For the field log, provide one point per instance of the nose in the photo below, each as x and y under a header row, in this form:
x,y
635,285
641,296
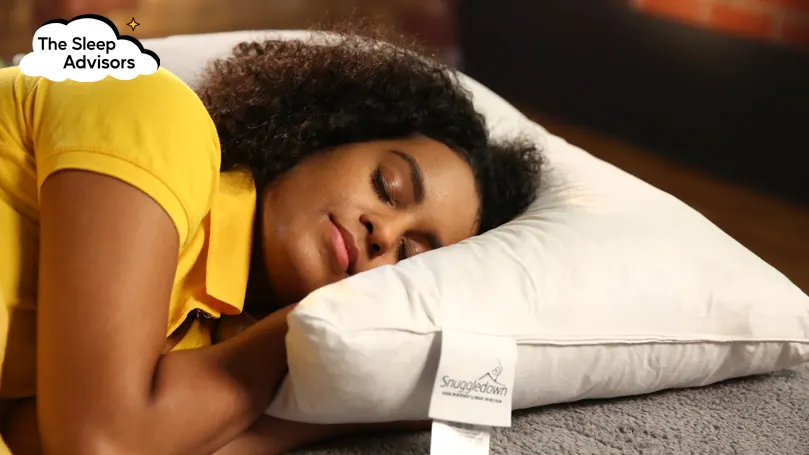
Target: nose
x,y
383,235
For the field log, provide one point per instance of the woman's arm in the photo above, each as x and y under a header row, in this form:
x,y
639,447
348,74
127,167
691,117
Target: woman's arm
x,y
108,255
271,436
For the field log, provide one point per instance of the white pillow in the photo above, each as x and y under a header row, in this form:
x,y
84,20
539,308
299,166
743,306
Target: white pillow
x,y
610,286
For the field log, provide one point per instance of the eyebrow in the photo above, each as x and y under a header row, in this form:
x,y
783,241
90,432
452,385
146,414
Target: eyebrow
x,y
415,176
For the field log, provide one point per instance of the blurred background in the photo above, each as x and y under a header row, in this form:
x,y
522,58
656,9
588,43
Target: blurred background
x,y
705,99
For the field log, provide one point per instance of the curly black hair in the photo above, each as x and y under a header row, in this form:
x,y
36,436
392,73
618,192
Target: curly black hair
x,y
276,102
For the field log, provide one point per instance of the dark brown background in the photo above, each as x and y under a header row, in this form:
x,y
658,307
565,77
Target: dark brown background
x,y
711,108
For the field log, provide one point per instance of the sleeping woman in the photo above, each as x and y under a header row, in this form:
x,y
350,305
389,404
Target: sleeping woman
x,y
136,215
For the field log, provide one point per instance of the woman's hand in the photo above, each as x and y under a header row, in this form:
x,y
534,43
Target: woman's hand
x,y
108,256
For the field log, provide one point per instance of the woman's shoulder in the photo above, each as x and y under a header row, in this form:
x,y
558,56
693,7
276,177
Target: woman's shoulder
x,y
142,94
161,85
152,131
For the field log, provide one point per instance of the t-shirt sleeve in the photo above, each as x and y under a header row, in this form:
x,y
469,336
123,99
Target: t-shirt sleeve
x,y
151,132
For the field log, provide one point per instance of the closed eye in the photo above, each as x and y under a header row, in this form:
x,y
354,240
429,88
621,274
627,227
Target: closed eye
x,y
403,251
424,241
381,187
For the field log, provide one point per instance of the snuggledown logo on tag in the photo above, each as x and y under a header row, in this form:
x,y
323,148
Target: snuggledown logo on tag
x,y
484,388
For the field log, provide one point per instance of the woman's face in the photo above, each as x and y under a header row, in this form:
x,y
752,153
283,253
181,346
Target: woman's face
x,y
361,206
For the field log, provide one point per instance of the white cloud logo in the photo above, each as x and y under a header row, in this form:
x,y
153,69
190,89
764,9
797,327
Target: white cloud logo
x,y
86,49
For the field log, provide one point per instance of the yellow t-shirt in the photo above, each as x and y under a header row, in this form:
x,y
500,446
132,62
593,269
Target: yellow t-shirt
x,y
152,132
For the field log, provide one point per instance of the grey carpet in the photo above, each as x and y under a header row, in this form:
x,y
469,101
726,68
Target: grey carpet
x,y
763,415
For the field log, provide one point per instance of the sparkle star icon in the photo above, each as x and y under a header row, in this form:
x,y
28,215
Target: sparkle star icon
x,y
133,23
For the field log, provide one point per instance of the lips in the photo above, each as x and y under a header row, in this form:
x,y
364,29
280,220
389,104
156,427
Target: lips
x,y
345,246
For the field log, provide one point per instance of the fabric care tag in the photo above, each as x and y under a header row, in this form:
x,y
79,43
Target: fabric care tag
x,y
459,439
475,379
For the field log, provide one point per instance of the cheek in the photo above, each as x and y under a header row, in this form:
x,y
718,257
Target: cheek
x,y
462,226
286,263
296,257
457,217
279,244
339,177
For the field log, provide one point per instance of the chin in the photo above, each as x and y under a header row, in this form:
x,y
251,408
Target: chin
x,y
297,280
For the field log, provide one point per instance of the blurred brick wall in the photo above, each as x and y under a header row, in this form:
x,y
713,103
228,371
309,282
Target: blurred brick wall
x,y
15,17
432,22
779,21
